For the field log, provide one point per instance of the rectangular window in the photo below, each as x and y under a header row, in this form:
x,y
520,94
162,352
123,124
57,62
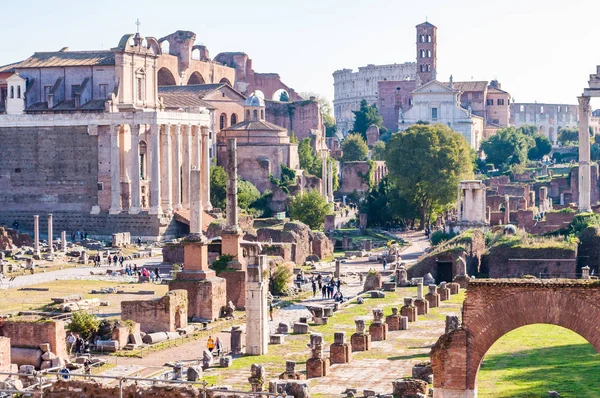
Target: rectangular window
x,y
103,91
522,108
501,101
434,113
489,102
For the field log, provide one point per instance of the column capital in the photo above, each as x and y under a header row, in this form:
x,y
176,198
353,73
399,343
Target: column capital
x,y
584,102
166,130
135,129
204,130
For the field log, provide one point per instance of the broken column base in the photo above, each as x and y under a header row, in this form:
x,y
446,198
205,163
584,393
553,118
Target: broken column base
x,y
378,331
340,353
317,367
453,287
444,293
410,313
433,300
422,306
360,342
393,322
206,293
462,280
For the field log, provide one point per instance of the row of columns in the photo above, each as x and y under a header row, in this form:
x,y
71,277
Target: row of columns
x,y
473,207
36,236
175,150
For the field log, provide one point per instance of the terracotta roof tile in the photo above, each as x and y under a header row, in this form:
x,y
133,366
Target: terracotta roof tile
x,y
64,58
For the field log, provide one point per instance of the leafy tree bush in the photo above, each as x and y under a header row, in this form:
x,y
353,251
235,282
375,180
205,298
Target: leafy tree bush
x,y
310,208
355,148
288,177
378,152
583,220
543,146
568,135
284,97
280,279
247,194
528,129
84,323
220,264
426,162
218,186
507,147
440,236
365,117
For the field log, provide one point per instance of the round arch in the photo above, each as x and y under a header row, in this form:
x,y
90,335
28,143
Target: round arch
x,y
259,94
196,78
277,95
225,81
165,77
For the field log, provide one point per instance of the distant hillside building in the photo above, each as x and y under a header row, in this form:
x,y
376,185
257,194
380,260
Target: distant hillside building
x,y
549,118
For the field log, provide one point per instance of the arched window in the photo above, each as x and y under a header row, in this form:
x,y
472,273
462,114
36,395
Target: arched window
x,y
428,53
247,115
12,91
428,38
255,114
262,115
222,121
233,119
18,91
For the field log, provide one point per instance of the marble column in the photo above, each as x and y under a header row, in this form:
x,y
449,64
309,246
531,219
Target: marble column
x,y
195,204
135,170
115,170
36,235
584,154
50,235
205,158
187,164
155,170
468,206
324,174
177,168
63,241
232,177
166,175
459,204
196,154
330,182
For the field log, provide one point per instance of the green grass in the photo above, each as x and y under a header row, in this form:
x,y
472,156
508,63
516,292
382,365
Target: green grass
x,y
532,360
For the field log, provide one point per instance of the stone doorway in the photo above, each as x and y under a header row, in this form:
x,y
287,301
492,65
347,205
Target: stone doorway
x,y
444,271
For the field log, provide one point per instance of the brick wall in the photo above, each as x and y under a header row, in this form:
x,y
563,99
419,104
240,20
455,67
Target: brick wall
x,y
32,334
545,260
351,177
300,117
165,314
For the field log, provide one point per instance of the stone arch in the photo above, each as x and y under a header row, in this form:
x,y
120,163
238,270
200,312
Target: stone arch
x,y
225,81
277,94
165,77
259,94
196,78
496,307
234,119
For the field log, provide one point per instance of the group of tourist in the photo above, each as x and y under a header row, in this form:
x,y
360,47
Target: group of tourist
x,y
112,260
330,289
214,346
76,344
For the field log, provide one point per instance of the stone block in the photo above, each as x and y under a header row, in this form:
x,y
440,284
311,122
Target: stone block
x,y
422,371
45,347
403,323
389,286
393,322
277,339
422,306
360,342
327,311
377,294
443,291
319,320
317,367
433,300
194,373
378,331
340,353
300,328
454,287
283,328
225,361
409,387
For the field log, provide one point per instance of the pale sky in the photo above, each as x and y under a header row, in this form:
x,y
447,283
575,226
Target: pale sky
x,y
539,50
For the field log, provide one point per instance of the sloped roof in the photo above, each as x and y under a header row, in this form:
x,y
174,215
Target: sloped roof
x,y
255,125
471,86
199,90
183,100
63,58
495,90
426,24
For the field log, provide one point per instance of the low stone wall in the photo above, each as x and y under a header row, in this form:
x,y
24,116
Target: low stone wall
x,y
165,314
5,354
505,261
83,389
31,334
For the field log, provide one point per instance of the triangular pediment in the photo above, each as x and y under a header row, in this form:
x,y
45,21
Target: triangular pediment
x,y
434,87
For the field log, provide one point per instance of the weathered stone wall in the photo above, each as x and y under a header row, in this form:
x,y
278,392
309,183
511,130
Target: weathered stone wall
x,y
32,334
296,239
48,169
4,354
553,221
82,389
302,117
504,261
165,314
354,177
589,250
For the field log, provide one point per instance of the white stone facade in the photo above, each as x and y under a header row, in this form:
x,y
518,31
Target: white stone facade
x,y
437,102
350,88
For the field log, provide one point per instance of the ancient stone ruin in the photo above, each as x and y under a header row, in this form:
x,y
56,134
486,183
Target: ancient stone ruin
x,y
166,314
361,339
340,351
378,329
409,310
316,365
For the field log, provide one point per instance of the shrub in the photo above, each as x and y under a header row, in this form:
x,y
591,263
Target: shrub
x,y
280,279
440,236
582,221
84,323
220,264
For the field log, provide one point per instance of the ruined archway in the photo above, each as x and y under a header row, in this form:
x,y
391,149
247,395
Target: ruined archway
x,y
196,78
494,307
165,77
225,81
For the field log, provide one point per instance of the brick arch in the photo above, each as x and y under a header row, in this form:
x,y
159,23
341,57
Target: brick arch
x,y
165,77
495,307
196,78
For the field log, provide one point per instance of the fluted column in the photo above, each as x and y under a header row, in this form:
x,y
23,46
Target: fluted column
x,y
36,235
167,182
205,158
584,154
135,170
50,235
115,170
177,167
330,182
155,170
187,164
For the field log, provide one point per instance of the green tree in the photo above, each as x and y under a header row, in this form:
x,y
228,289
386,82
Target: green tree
x,y
365,117
218,187
426,162
284,97
308,160
528,129
310,208
247,194
507,147
288,178
280,279
330,127
378,151
542,147
84,323
355,148
568,135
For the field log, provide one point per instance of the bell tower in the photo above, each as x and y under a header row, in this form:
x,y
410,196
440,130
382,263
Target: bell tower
x,y
426,52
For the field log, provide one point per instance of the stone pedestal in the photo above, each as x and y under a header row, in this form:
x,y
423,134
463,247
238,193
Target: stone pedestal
x,y
443,291
290,372
403,323
433,298
235,341
63,241
422,306
300,328
393,321
462,280
316,365
36,235
361,340
454,287
378,329
402,277
257,326
409,310
340,351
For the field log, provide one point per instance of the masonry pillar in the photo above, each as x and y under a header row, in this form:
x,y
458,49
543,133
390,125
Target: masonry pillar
x,y
324,175
187,165
459,204
196,205
257,326
36,235
468,207
135,172
177,168
155,170
166,175
63,241
205,158
584,154
50,235
507,210
330,182
115,170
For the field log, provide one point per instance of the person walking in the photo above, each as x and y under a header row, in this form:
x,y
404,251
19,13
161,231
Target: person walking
x,y
314,288
218,347
79,345
271,310
324,291
109,259
384,263
70,342
210,344
121,259
338,284
115,259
